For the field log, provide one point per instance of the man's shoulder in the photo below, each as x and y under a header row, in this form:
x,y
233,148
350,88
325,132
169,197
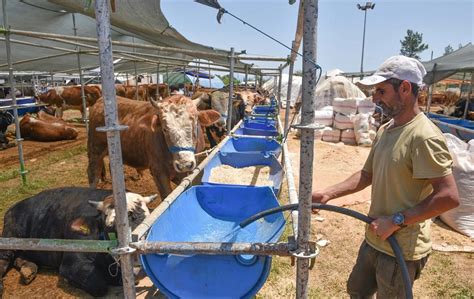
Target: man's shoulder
x,y
424,129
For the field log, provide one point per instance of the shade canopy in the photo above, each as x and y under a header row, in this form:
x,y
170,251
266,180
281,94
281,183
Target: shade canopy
x,y
139,22
461,60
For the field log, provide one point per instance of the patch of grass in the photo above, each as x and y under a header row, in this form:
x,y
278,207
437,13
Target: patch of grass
x,y
39,177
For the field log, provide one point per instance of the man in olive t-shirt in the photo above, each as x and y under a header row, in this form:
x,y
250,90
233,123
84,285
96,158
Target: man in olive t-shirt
x,y
409,168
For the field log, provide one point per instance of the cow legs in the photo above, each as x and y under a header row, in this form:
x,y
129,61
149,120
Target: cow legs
x,y
95,168
6,257
27,270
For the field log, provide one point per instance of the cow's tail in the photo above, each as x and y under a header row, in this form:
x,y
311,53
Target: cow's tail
x,y
6,256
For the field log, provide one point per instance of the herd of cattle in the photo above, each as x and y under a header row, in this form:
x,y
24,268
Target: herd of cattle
x,y
164,134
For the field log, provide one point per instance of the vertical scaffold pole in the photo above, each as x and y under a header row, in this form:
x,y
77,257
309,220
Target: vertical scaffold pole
x,y
85,117
246,75
157,81
288,93
307,144
19,140
113,128
231,91
280,78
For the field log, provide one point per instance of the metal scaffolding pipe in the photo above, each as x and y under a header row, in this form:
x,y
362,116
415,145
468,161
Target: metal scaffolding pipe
x,y
231,91
468,100
112,129
292,193
307,144
261,58
34,244
85,118
246,76
12,92
211,248
288,95
35,59
280,75
116,43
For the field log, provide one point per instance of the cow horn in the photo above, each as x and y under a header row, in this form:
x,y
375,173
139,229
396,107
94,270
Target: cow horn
x,y
96,204
154,103
150,198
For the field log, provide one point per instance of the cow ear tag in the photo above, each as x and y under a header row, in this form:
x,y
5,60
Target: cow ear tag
x,y
80,226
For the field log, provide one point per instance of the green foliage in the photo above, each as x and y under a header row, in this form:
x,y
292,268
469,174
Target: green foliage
x,y
448,50
413,44
226,80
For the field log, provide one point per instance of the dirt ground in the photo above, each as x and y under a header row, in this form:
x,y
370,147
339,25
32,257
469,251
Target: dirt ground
x,y
446,275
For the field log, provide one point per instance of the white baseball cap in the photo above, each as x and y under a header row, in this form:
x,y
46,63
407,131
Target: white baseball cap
x,y
398,67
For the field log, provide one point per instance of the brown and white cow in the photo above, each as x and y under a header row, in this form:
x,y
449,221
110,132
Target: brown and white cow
x,y
162,137
40,130
69,97
162,91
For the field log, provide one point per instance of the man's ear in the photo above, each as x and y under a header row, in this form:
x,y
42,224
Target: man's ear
x,y
405,87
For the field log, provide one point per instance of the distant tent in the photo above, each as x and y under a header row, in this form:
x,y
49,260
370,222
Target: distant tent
x,y
461,60
190,76
271,86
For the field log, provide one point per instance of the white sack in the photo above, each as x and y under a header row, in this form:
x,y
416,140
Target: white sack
x,y
462,218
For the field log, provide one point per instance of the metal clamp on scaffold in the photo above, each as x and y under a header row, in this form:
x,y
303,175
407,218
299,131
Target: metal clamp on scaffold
x,y
311,254
313,126
112,128
122,250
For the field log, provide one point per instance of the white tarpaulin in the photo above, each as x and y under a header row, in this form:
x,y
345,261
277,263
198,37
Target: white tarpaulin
x,y
272,87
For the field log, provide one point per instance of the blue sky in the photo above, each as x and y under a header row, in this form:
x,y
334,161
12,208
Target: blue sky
x,y
340,26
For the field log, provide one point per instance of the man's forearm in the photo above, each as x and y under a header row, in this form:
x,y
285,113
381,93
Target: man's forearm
x,y
356,182
444,197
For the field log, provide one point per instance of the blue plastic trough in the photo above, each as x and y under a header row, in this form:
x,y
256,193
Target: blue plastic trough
x,y
20,101
255,132
240,160
462,128
260,120
212,214
265,109
252,145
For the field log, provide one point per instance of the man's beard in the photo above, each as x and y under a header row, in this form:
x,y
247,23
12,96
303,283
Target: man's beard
x,y
392,111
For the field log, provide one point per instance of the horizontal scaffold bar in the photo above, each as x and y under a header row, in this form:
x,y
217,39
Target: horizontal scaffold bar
x,y
210,248
56,245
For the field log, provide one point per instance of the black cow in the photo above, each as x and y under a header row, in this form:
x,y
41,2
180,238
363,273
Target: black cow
x,y
68,213
6,119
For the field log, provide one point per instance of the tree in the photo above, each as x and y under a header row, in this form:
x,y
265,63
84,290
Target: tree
x,y
226,79
460,46
413,44
448,50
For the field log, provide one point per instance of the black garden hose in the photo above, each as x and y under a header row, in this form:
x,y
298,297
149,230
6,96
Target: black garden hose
x,y
393,242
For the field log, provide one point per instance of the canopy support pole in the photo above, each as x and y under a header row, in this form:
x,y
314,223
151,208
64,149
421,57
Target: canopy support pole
x,y
19,140
430,91
85,118
468,100
231,91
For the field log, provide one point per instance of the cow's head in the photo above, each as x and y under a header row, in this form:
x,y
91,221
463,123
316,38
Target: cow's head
x,y
179,121
136,207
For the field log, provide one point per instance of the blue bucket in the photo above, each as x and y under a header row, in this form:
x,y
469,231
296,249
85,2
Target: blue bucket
x,y
20,101
249,144
240,160
213,214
